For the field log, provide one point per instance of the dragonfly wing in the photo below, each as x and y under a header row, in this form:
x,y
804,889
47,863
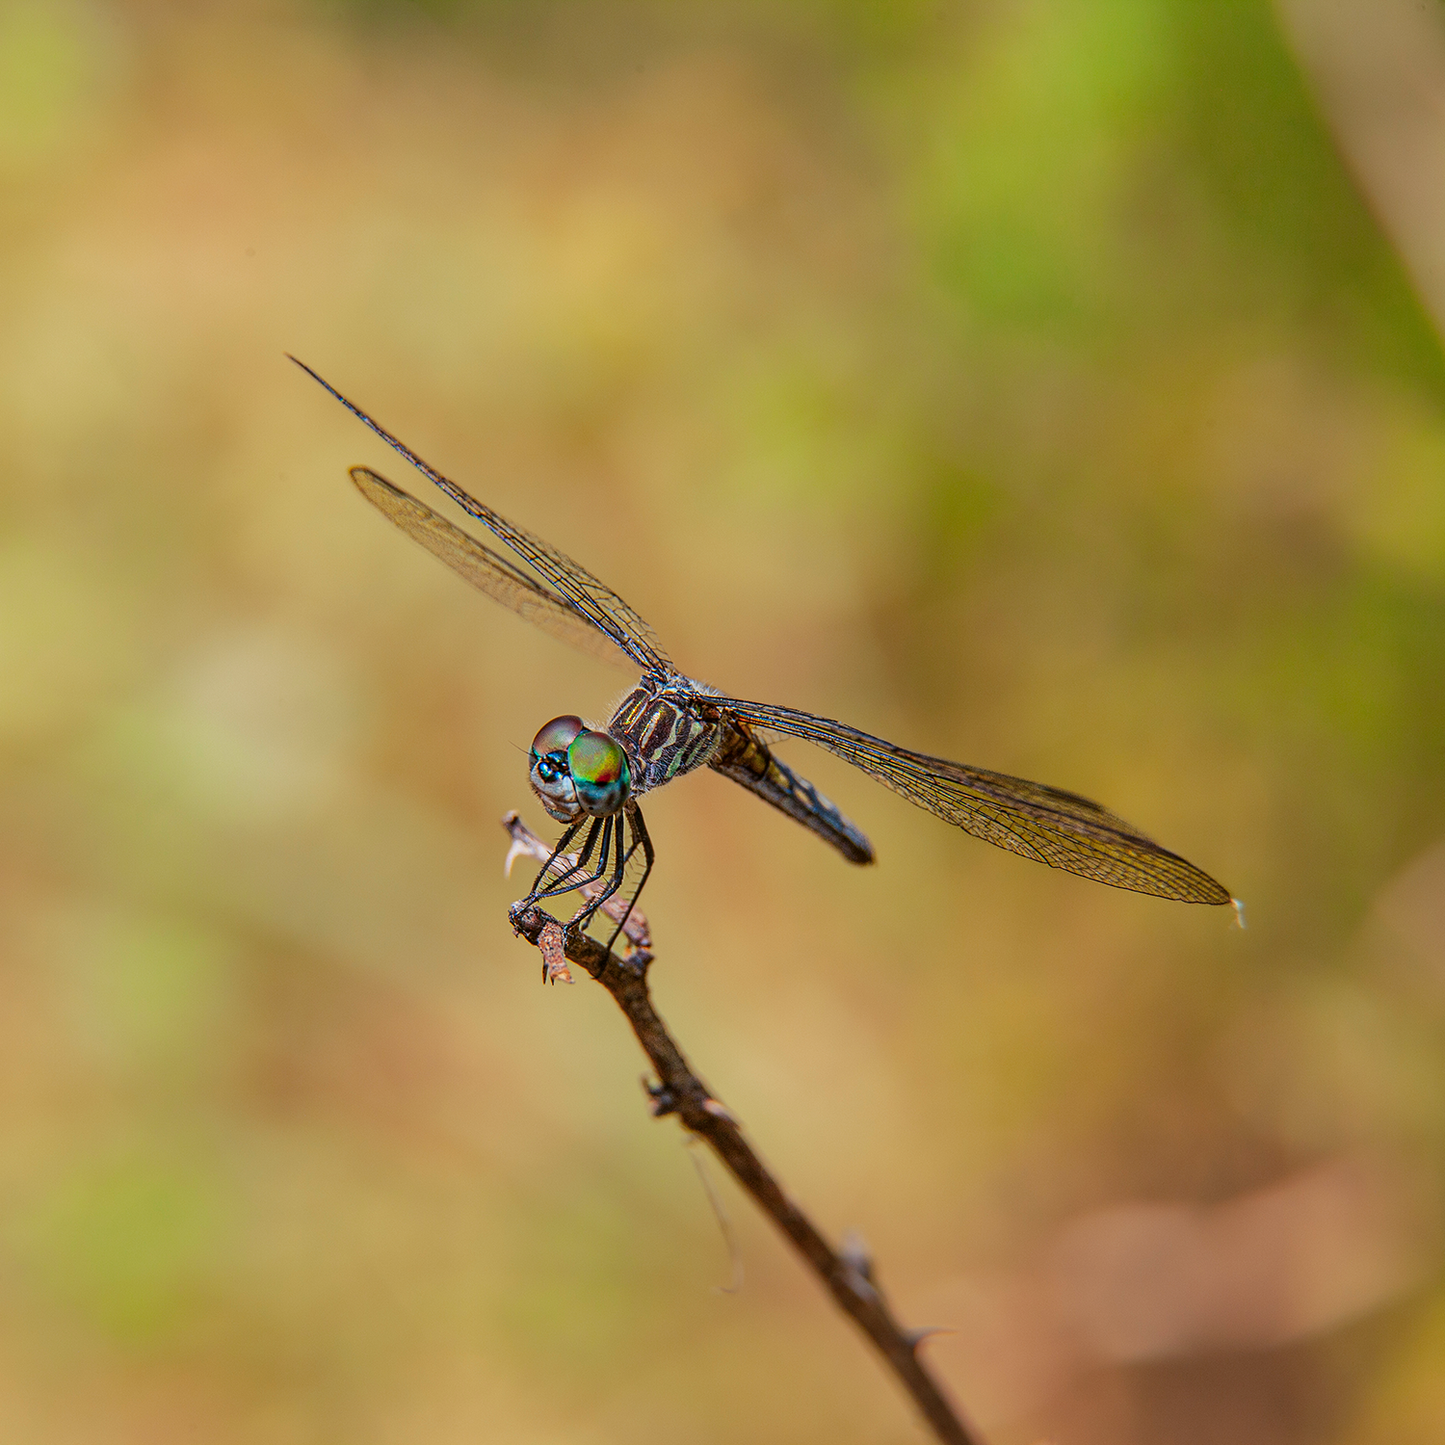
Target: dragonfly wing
x,y
1045,824
485,569
590,597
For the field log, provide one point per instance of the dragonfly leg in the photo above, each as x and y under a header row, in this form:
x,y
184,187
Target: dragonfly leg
x,y
639,836
569,880
584,915
562,842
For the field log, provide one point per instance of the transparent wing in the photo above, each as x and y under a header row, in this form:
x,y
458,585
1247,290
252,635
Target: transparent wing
x,y
1045,824
486,570
591,598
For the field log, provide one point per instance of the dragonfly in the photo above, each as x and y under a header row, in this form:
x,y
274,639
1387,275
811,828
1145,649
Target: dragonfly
x,y
590,779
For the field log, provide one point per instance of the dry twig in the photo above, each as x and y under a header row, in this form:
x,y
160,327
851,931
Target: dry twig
x,y
848,1275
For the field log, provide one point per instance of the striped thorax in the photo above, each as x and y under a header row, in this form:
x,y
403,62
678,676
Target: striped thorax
x,y
658,724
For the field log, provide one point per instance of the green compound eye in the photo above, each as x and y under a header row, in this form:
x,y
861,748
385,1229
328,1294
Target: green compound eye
x,y
599,771
556,736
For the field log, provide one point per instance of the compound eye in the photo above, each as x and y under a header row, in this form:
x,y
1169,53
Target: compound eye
x,y
556,736
599,771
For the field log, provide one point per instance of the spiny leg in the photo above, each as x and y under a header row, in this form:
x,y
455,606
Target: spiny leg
x,y
562,842
568,881
561,880
584,915
639,836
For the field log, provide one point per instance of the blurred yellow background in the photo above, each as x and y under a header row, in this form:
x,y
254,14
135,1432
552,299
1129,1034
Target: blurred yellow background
x,y
1041,383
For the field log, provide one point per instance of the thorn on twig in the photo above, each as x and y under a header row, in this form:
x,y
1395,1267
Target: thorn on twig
x,y
917,1337
854,1251
663,1102
857,1272
718,1111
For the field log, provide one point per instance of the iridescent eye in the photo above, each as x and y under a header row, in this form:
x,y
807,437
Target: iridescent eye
x,y
600,772
556,736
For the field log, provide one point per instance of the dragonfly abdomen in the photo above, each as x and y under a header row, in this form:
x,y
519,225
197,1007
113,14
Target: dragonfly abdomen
x,y
744,758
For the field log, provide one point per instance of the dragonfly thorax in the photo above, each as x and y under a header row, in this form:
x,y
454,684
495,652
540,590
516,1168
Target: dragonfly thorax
x,y
577,772
665,727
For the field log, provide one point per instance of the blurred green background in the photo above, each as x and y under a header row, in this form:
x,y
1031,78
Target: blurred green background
x,y
1029,381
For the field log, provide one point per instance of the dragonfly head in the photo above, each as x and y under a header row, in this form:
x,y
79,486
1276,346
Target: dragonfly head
x,y
577,772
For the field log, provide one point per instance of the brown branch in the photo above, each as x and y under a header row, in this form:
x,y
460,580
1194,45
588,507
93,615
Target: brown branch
x,y
847,1275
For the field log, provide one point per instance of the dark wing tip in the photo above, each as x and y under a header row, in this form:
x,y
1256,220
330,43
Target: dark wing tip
x,y
1199,887
1218,894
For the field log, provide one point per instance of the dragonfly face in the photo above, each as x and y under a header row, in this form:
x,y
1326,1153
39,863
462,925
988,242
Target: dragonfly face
x,y
578,773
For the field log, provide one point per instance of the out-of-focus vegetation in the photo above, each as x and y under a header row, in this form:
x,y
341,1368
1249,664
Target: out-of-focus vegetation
x,y
1024,380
